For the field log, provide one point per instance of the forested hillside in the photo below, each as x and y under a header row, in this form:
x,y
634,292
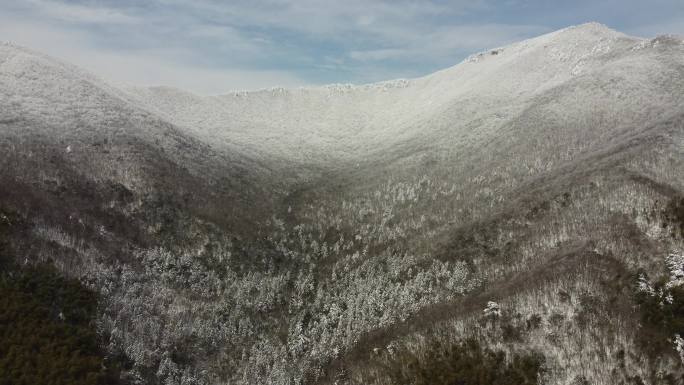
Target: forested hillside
x,y
515,219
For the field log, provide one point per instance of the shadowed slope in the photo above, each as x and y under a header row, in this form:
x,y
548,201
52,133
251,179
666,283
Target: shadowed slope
x,y
66,133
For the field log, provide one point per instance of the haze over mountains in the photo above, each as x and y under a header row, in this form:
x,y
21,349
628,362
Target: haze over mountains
x,y
355,234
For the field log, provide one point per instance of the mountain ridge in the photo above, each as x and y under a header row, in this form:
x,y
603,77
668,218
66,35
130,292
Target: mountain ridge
x,y
402,107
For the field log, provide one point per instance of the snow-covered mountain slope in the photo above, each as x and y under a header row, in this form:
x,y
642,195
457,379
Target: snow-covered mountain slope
x,y
63,126
360,234
488,90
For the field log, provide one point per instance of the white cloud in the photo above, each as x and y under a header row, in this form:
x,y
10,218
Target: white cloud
x,y
142,70
171,67
449,41
379,54
212,46
403,31
672,26
91,14
362,20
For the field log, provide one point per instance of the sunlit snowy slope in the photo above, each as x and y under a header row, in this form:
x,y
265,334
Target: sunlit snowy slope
x,y
473,101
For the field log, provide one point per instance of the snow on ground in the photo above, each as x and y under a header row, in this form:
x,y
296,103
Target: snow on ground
x,y
343,122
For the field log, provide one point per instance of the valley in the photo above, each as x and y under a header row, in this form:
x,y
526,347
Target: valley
x,y
507,207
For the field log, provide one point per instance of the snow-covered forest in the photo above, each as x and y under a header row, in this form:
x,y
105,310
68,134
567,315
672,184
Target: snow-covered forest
x,y
520,214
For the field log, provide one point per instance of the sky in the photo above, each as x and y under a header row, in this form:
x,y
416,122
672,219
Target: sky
x,y
214,46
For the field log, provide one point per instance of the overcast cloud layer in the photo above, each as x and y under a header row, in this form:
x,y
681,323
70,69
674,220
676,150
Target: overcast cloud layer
x,y
212,46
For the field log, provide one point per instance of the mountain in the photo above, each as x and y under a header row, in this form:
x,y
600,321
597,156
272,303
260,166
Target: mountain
x,y
518,217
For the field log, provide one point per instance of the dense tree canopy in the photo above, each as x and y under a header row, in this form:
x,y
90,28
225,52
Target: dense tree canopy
x,y
47,335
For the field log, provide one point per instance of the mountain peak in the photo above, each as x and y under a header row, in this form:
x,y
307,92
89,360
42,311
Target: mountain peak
x,y
587,32
593,26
